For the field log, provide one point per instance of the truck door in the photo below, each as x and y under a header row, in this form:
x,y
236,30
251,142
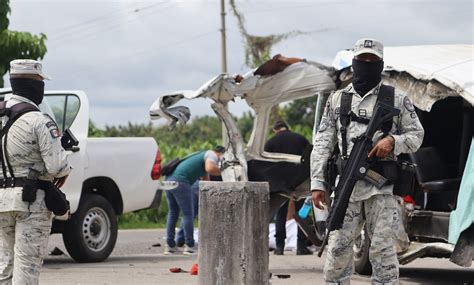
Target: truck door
x,y
71,110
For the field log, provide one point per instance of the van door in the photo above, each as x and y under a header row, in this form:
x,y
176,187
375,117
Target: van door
x,y
71,111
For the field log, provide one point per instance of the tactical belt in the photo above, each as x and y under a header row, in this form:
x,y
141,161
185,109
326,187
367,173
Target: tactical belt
x,y
12,182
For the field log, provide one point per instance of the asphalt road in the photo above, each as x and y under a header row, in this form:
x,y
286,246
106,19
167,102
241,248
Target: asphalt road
x,y
136,261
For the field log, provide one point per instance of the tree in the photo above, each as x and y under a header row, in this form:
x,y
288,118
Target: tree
x,y
258,48
15,44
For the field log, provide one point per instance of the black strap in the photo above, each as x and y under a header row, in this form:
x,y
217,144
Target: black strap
x,y
4,168
386,95
345,119
13,113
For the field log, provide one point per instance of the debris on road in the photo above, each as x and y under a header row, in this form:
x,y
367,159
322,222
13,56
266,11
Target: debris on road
x,y
177,270
194,269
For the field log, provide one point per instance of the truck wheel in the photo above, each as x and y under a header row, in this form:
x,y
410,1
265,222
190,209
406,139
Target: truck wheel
x,y
361,254
91,233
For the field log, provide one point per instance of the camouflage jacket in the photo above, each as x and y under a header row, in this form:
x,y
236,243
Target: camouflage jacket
x,y
406,130
33,143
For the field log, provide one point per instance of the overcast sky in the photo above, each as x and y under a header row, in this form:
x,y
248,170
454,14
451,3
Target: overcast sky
x,y
124,54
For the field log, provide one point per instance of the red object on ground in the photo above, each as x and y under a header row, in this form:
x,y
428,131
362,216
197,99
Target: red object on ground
x,y
409,199
194,269
176,270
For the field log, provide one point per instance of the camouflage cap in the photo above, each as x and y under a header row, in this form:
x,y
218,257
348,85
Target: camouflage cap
x,y
27,66
368,46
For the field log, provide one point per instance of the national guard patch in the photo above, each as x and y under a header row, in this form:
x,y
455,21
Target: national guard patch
x,y
408,105
368,43
413,115
323,125
55,133
53,129
336,111
51,124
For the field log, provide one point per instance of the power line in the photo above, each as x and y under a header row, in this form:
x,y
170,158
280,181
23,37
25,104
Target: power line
x,y
99,21
104,29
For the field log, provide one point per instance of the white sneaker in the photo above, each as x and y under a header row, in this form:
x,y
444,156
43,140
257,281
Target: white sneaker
x,y
188,250
170,250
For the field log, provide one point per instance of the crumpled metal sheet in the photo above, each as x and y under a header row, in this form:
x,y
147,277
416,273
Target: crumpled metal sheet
x,y
298,80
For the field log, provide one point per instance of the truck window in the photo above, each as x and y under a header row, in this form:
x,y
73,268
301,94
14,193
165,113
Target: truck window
x,y
64,109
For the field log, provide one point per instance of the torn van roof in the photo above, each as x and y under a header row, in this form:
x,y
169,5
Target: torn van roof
x,y
440,71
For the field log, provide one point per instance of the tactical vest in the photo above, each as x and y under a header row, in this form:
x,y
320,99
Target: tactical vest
x,y
13,113
386,95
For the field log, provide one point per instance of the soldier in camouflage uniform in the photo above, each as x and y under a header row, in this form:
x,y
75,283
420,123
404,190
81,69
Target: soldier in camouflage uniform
x,y
376,207
33,143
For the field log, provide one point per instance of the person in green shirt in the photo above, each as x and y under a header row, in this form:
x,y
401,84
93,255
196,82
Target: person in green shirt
x,y
188,171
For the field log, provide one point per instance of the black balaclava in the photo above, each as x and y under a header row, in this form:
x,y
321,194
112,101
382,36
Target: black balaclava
x,y
366,75
29,88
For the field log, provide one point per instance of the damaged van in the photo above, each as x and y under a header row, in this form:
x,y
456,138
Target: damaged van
x,y
437,199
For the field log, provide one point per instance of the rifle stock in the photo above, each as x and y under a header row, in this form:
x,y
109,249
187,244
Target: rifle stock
x,y
356,168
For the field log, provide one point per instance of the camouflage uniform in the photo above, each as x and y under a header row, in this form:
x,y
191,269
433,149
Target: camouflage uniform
x,y
377,206
33,142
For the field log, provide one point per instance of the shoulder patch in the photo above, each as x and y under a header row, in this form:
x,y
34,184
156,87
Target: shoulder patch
x,y
53,127
408,105
323,125
51,124
54,133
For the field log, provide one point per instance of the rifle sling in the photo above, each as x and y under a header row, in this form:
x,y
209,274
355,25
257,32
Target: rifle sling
x,y
386,95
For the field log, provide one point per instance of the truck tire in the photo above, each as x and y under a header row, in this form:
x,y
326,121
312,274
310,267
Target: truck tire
x,y
361,254
91,233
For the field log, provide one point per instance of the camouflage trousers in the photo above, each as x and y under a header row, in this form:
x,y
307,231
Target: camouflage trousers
x,y
23,244
380,212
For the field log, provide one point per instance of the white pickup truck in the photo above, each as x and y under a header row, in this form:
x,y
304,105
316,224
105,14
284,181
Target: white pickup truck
x,y
111,176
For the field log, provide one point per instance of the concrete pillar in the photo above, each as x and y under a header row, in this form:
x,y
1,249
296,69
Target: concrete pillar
x,y
233,233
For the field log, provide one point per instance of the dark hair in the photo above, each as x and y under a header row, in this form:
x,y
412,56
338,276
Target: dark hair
x,y
219,149
280,124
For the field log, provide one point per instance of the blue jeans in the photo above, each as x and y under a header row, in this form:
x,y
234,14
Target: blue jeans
x,y
195,191
180,199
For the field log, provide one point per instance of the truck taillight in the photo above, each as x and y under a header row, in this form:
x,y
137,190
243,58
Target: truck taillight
x,y
156,170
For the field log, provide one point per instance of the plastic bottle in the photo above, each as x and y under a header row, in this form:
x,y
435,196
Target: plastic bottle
x,y
304,211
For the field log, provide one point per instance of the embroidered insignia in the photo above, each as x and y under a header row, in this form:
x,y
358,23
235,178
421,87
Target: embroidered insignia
x,y
54,133
323,125
51,124
408,105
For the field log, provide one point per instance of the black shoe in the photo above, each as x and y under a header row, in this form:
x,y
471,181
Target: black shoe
x,y
303,251
279,251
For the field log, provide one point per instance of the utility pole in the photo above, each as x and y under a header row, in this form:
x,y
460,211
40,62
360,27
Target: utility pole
x,y
223,39
225,139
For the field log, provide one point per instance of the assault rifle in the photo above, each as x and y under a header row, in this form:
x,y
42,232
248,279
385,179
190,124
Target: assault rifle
x,y
357,168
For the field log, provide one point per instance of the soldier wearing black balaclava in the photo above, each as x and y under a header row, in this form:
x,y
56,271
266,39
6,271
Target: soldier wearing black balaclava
x,y
376,207
30,150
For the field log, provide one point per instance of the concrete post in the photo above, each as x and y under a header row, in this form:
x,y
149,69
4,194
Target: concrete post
x,y
233,233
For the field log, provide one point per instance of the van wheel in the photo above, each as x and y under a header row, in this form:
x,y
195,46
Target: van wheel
x,y
91,233
361,254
